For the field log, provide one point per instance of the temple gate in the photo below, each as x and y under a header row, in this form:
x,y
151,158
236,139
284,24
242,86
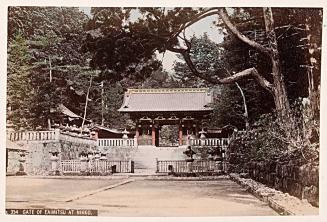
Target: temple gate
x,y
150,109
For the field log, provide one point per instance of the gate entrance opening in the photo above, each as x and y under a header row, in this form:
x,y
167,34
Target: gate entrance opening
x,y
168,135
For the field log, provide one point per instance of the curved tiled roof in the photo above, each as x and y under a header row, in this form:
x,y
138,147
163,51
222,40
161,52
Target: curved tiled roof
x,y
179,99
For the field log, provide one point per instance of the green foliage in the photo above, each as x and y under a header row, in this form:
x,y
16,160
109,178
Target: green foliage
x,y
272,138
169,135
53,36
19,88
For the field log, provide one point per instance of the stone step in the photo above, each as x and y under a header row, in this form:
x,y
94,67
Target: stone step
x,y
145,157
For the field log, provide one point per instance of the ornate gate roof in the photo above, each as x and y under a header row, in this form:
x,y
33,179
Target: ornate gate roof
x,y
166,100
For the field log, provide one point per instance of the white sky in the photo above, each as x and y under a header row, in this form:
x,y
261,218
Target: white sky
x,y
197,29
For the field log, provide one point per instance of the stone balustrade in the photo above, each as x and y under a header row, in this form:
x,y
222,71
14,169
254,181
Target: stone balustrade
x,y
117,142
50,135
222,142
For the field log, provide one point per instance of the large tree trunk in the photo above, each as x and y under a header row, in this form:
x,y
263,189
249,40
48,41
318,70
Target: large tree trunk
x,y
246,113
279,89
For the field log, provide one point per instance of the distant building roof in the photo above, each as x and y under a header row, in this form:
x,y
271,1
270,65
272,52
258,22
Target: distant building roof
x,y
179,99
64,110
71,115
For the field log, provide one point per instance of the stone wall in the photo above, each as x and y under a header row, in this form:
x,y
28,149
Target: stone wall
x,y
299,181
38,157
13,161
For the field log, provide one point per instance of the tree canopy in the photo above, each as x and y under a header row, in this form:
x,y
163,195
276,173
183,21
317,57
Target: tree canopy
x,y
64,47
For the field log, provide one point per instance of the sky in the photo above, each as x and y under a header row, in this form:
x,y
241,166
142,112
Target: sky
x,y
198,29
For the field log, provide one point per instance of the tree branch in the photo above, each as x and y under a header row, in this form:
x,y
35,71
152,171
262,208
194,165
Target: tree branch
x,y
227,80
206,13
223,14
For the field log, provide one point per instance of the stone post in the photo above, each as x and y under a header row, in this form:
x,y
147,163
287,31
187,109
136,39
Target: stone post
x,y
132,166
103,160
136,142
97,162
157,165
84,165
90,158
189,166
57,134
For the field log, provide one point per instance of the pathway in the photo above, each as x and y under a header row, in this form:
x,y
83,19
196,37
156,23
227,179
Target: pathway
x,y
137,197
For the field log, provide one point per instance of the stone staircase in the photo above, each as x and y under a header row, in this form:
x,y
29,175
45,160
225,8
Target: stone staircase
x,y
145,157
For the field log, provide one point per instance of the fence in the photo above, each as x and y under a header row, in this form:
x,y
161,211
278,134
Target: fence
x,y
222,142
96,166
117,143
181,166
52,135
70,166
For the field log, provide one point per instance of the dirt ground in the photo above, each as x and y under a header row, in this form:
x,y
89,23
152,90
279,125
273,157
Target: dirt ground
x,y
138,198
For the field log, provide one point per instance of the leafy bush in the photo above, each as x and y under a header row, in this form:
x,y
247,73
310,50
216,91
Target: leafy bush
x,y
294,138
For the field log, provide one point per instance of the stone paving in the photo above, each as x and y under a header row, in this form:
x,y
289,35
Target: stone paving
x,y
138,197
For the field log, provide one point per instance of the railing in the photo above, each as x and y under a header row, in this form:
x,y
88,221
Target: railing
x,y
222,142
96,166
70,166
181,166
204,166
116,143
177,166
124,166
33,135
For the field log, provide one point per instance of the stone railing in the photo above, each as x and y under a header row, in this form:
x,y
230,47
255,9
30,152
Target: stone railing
x,y
116,143
221,142
52,135
56,136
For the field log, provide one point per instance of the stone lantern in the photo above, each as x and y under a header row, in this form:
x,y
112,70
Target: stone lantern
x,y
103,156
125,132
202,137
97,155
215,154
54,159
202,134
125,137
22,163
90,155
189,153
